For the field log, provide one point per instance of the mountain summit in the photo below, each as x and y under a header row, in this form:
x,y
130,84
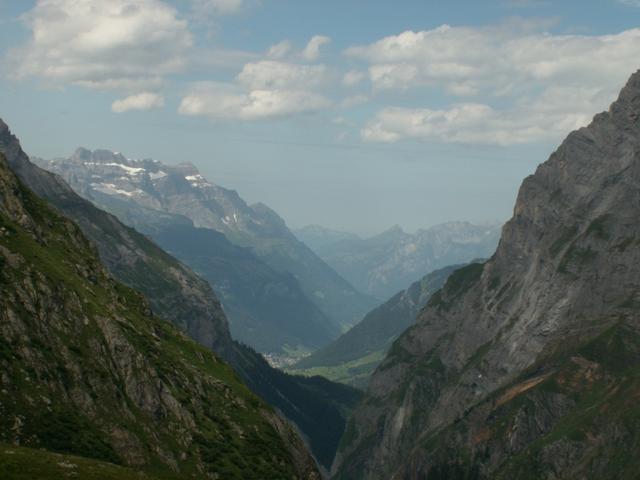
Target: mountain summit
x,y
527,366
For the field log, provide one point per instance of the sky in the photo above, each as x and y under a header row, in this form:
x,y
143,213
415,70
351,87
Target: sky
x,y
355,115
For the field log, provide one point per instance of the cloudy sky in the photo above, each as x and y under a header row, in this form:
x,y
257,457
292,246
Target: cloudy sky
x,y
352,114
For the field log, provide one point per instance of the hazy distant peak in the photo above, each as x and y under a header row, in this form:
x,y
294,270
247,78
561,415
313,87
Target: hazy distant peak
x,y
186,169
395,231
265,211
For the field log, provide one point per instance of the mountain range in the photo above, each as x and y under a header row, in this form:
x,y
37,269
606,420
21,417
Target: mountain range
x,y
353,357
386,263
279,296
89,370
526,366
316,406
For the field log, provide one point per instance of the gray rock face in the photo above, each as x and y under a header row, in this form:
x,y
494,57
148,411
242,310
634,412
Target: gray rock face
x,y
386,263
499,374
151,196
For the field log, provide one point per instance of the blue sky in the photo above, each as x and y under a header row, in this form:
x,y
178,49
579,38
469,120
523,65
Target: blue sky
x,y
355,115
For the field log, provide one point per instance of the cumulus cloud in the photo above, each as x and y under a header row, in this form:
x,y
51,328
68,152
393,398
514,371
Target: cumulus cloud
x,y
280,49
492,59
312,50
227,102
140,101
217,7
269,74
108,44
275,87
262,90
353,77
557,111
516,72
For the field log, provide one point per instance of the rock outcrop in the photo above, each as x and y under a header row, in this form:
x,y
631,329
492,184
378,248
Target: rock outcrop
x,y
527,366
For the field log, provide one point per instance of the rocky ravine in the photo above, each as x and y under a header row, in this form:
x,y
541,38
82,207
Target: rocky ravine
x,y
527,366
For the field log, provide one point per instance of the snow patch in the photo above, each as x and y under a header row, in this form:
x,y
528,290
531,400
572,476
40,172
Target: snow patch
x,y
111,189
126,168
197,181
157,175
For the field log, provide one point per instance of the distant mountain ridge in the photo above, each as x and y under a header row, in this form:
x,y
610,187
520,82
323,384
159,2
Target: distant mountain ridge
x,y
296,288
386,263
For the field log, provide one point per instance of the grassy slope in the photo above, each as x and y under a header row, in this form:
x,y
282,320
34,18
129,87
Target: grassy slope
x,y
20,463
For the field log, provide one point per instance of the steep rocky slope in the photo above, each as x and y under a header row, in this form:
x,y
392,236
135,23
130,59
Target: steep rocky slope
x,y
386,263
353,357
152,196
88,369
527,366
178,295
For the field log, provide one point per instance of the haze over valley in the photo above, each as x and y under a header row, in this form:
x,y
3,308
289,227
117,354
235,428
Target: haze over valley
x,y
264,240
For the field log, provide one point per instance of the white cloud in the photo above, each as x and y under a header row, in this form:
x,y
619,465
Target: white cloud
x,y
106,44
219,58
140,101
352,78
492,59
312,50
353,100
264,89
517,72
270,74
227,102
280,49
217,7
547,116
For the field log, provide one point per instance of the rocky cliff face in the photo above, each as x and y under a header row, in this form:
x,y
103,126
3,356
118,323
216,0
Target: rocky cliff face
x,y
152,196
178,295
88,369
386,263
527,366
353,357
